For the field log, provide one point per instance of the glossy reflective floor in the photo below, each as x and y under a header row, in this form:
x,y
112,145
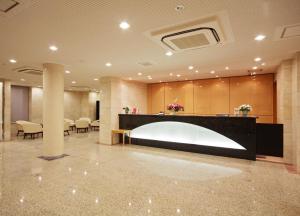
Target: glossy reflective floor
x,y
134,180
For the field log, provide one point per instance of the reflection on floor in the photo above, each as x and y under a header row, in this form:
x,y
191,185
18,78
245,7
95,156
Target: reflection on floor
x,y
135,180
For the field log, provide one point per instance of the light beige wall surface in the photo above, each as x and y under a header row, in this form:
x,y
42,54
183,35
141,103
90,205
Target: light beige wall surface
x,y
114,95
76,104
288,107
1,111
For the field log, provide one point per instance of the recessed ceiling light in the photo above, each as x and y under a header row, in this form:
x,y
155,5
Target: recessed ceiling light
x,y
263,64
227,68
67,72
53,48
140,74
124,25
212,72
22,80
196,71
254,68
96,79
191,67
160,81
257,59
169,53
73,82
130,78
13,61
171,74
150,78
108,64
260,37
178,75
217,76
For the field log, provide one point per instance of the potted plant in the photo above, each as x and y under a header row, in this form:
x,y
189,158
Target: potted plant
x,y
126,109
175,107
245,109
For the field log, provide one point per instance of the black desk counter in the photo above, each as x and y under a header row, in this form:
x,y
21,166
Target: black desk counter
x,y
223,136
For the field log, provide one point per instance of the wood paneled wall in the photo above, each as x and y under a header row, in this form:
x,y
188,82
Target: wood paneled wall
x,y
216,96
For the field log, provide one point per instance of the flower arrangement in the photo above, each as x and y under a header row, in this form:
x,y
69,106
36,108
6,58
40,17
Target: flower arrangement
x,y
175,107
245,108
126,109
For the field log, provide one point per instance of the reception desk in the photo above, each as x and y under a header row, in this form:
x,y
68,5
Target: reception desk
x,y
223,136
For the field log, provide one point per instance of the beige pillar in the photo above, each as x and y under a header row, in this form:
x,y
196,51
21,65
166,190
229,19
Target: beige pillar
x,y
53,110
111,105
7,110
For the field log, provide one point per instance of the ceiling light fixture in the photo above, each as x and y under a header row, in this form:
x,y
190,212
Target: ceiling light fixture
x,y
257,59
171,74
263,64
191,67
13,61
260,37
96,79
212,72
254,67
124,25
178,75
140,74
74,82
108,64
53,48
217,76
130,78
226,68
67,72
169,53
196,71
23,80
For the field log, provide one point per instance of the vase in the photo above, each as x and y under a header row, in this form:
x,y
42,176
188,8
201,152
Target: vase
x,y
245,113
173,112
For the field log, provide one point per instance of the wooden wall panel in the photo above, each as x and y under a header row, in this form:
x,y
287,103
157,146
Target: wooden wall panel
x,y
216,96
182,93
211,96
202,99
219,96
256,91
157,97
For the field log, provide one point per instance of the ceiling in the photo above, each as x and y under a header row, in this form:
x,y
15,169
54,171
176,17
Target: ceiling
x,y
88,36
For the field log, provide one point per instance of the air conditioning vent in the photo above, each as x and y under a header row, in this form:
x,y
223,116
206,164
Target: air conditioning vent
x,y
200,33
286,32
146,64
29,70
7,5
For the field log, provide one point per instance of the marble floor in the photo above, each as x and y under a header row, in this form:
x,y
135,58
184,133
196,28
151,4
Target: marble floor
x,y
134,180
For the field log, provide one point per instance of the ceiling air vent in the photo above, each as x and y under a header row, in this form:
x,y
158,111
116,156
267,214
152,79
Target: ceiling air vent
x,y
200,33
29,70
286,32
7,5
145,64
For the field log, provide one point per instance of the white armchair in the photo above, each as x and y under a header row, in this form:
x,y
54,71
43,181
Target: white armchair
x,y
71,123
32,129
95,125
19,125
82,125
86,118
66,127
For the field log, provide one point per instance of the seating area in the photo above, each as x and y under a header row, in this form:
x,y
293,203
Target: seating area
x,y
35,130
